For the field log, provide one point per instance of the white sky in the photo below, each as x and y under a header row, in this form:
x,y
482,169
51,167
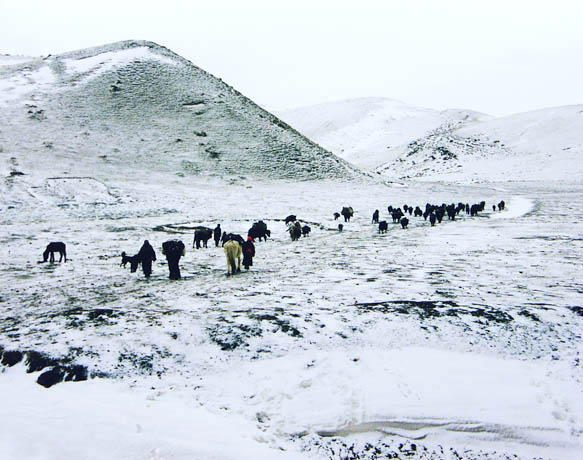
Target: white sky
x,y
498,57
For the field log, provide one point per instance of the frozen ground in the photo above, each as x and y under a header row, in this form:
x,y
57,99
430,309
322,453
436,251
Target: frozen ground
x,y
459,341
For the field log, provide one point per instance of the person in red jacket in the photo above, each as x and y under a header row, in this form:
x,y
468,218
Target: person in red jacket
x,y
248,252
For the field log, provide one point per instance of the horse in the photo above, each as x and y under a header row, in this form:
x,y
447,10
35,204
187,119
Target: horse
x,y
55,246
233,253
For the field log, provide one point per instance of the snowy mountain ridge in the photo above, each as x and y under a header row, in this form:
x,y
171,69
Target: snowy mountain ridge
x,y
139,105
400,141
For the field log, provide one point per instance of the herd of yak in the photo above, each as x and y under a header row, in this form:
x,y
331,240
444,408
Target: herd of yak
x,y
259,230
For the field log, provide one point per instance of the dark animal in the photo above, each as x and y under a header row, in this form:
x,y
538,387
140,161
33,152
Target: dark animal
x,y
202,234
55,246
173,250
295,231
259,230
474,209
493,207
347,212
375,217
134,261
501,205
404,222
232,236
396,215
147,255
336,215
451,211
306,230
290,218
432,219
383,226
418,212
233,253
340,227
467,208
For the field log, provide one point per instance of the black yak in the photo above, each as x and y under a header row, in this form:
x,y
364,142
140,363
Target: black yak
x,y
202,234
383,226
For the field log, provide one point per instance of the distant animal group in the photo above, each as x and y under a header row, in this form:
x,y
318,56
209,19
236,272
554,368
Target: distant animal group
x,y
235,247
435,213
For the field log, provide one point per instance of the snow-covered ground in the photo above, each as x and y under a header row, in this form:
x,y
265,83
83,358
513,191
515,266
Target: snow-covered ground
x,y
465,336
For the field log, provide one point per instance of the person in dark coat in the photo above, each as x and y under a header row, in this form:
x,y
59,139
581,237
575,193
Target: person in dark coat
x,y
217,233
173,250
248,252
146,256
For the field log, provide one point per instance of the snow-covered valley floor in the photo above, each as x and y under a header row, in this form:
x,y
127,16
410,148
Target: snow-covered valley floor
x,y
459,341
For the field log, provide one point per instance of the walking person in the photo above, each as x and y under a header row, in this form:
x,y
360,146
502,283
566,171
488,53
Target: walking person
x,y
147,255
248,252
217,234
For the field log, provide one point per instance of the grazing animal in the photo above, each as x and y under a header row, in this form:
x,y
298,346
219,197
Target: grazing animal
x,y
418,212
375,216
233,253
501,205
259,230
383,226
55,246
306,230
134,261
432,219
290,218
336,215
202,234
173,250
404,222
474,209
340,227
347,212
295,231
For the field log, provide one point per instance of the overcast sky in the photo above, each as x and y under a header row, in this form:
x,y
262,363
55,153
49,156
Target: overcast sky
x,y
498,57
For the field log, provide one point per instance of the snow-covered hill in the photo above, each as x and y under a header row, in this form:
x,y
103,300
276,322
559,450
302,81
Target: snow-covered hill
x,y
542,145
137,105
400,141
369,131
